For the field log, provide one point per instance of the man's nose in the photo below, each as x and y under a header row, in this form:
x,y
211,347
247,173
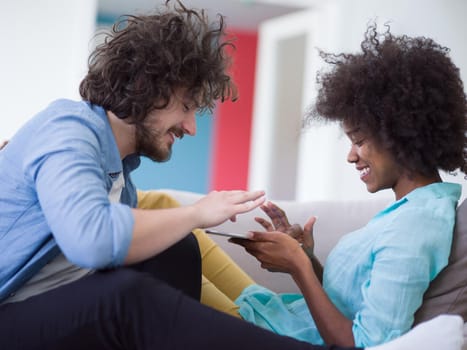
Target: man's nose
x,y
189,124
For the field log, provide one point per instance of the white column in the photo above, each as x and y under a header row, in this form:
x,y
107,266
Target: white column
x,y
45,45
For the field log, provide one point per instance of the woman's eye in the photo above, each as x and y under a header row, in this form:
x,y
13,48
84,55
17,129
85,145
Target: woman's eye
x,y
359,142
186,108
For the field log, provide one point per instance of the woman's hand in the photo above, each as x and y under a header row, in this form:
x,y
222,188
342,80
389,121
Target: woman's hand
x,y
218,206
276,251
279,220
281,223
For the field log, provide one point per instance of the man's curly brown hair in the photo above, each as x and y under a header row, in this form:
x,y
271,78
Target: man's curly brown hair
x,y
144,59
405,93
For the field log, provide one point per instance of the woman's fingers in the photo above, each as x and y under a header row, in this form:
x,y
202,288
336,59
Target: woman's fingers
x,y
266,224
308,240
277,216
308,228
295,231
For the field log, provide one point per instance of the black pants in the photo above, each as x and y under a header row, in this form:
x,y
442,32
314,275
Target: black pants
x,y
151,305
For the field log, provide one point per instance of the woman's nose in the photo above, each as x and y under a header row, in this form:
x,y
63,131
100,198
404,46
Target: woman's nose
x,y
352,156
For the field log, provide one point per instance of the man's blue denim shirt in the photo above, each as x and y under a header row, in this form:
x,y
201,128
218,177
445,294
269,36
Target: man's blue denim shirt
x,y
55,176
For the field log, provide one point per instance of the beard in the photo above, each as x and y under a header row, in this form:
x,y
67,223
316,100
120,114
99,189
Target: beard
x,y
149,143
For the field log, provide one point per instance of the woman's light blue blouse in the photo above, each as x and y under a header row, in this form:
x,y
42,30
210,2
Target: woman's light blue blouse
x,y
394,258
377,275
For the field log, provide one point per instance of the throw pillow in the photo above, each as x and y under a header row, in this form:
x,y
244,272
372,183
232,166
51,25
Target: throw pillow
x,y
447,293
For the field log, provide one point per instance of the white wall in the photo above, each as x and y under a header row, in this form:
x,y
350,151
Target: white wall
x,y
336,26
278,104
44,55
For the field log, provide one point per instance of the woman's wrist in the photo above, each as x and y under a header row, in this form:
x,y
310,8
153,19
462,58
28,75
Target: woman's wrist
x,y
308,251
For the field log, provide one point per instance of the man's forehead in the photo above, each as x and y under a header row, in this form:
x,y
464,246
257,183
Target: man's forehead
x,y
181,93
185,96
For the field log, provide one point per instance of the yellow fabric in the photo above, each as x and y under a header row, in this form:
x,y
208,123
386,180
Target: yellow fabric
x,y
223,280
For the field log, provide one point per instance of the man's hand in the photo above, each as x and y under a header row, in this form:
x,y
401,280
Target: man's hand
x,y
219,206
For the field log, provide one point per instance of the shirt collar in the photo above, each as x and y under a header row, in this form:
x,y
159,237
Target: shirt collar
x,y
434,190
112,161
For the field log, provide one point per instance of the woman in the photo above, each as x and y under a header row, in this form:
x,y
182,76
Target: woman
x,y
402,105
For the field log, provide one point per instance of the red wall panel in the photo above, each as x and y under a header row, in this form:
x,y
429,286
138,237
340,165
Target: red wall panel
x,y
232,123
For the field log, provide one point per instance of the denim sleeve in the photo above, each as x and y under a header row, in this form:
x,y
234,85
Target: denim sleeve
x,y
412,250
65,165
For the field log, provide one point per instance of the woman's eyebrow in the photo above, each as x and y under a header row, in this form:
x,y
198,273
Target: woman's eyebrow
x,y
352,132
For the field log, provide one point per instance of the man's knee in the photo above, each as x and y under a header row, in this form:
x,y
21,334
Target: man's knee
x,y
190,248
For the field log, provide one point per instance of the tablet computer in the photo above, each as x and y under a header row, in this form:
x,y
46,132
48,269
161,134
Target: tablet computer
x,y
228,234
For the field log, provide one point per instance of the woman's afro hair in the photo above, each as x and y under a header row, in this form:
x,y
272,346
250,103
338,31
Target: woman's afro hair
x,y
405,93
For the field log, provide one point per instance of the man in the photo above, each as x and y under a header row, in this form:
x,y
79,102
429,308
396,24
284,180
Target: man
x,y
67,200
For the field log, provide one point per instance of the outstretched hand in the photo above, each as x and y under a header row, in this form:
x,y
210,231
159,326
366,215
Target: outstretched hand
x,y
219,206
279,222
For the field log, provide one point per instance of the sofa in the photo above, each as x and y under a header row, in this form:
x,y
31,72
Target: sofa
x,y
446,294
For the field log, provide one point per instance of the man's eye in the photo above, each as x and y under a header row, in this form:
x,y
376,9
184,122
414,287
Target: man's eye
x,y
186,108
